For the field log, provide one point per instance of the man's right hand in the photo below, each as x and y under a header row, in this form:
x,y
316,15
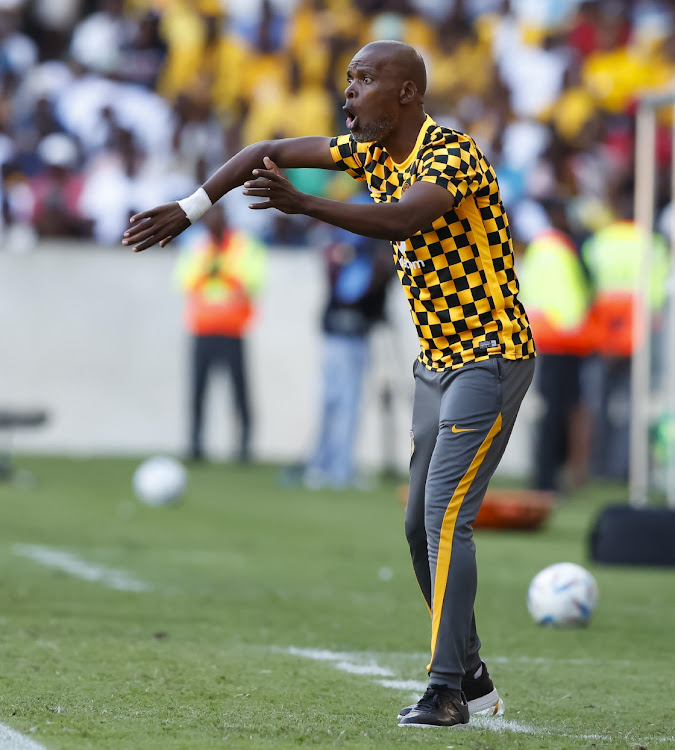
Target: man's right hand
x,y
158,225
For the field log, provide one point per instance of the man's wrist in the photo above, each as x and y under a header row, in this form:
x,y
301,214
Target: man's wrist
x,y
311,206
196,205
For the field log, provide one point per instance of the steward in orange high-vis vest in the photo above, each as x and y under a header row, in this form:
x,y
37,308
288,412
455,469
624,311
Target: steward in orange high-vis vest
x,y
220,277
613,256
556,292
220,270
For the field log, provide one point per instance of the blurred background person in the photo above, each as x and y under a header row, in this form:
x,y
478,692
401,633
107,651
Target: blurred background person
x,y
358,271
57,190
557,293
614,257
220,271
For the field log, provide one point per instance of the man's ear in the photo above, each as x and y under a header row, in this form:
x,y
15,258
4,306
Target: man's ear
x,y
408,92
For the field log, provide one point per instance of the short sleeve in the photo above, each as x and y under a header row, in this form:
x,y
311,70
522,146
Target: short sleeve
x,y
454,166
345,152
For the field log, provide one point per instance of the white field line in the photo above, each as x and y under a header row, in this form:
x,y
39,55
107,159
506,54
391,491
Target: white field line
x,y
318,654
363,664
417,687
13,740
371,670
75,566
343,662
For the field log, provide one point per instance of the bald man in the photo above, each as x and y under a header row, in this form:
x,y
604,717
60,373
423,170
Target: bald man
x,y
437,200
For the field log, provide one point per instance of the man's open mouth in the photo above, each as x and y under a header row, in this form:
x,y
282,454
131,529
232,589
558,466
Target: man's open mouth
x,y
351,120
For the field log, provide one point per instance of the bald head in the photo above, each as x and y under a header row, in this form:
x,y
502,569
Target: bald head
x,y
385,91
404,60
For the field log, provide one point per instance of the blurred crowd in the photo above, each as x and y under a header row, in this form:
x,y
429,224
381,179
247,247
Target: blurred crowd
x,y
110,106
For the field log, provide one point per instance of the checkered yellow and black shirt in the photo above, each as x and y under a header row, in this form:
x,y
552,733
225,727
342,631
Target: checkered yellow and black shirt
x,y
458,273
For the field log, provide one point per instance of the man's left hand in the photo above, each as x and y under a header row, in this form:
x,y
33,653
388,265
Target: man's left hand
x,y
272,183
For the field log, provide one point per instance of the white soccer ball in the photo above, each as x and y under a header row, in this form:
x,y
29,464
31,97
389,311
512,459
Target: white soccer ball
x,y
564,594
159,480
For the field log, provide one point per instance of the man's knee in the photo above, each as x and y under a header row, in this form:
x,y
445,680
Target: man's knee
x,y
415,530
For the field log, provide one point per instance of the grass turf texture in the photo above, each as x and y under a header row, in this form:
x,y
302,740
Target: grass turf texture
x,y
241,570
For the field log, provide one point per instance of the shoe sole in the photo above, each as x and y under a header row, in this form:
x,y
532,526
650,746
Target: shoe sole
x,y
433,726
487,705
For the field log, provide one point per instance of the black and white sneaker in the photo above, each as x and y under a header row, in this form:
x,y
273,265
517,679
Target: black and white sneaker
x,y
481,695
438,707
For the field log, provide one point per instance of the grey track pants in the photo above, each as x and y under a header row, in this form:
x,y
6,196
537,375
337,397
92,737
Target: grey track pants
x,y
462,420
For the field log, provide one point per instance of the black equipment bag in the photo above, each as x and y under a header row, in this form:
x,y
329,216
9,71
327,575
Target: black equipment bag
x,y
624,535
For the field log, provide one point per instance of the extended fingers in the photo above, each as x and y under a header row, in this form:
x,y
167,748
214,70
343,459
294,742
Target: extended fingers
x,y
144,245
271,165
260,182
137,227
266,180
257,192
261,204
138,234
268,174
259,188
141,216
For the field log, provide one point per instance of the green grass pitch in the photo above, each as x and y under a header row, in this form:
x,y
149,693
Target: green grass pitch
x,y
285,618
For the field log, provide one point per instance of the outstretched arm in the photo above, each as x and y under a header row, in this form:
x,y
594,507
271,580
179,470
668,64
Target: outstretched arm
x,y
419,207
162,223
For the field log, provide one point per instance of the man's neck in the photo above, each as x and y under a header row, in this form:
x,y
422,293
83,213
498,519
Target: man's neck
x,y
401,143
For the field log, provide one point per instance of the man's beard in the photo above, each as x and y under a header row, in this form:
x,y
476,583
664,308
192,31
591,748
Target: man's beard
x,y
375,130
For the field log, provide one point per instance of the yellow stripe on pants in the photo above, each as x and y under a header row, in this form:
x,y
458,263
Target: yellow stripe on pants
x,y
448,532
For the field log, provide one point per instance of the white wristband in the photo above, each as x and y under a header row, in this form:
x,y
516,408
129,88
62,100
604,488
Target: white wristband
x,y
196,205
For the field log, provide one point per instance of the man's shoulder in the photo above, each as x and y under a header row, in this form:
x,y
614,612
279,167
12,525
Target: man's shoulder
x,y
344,146
347,139
441,136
